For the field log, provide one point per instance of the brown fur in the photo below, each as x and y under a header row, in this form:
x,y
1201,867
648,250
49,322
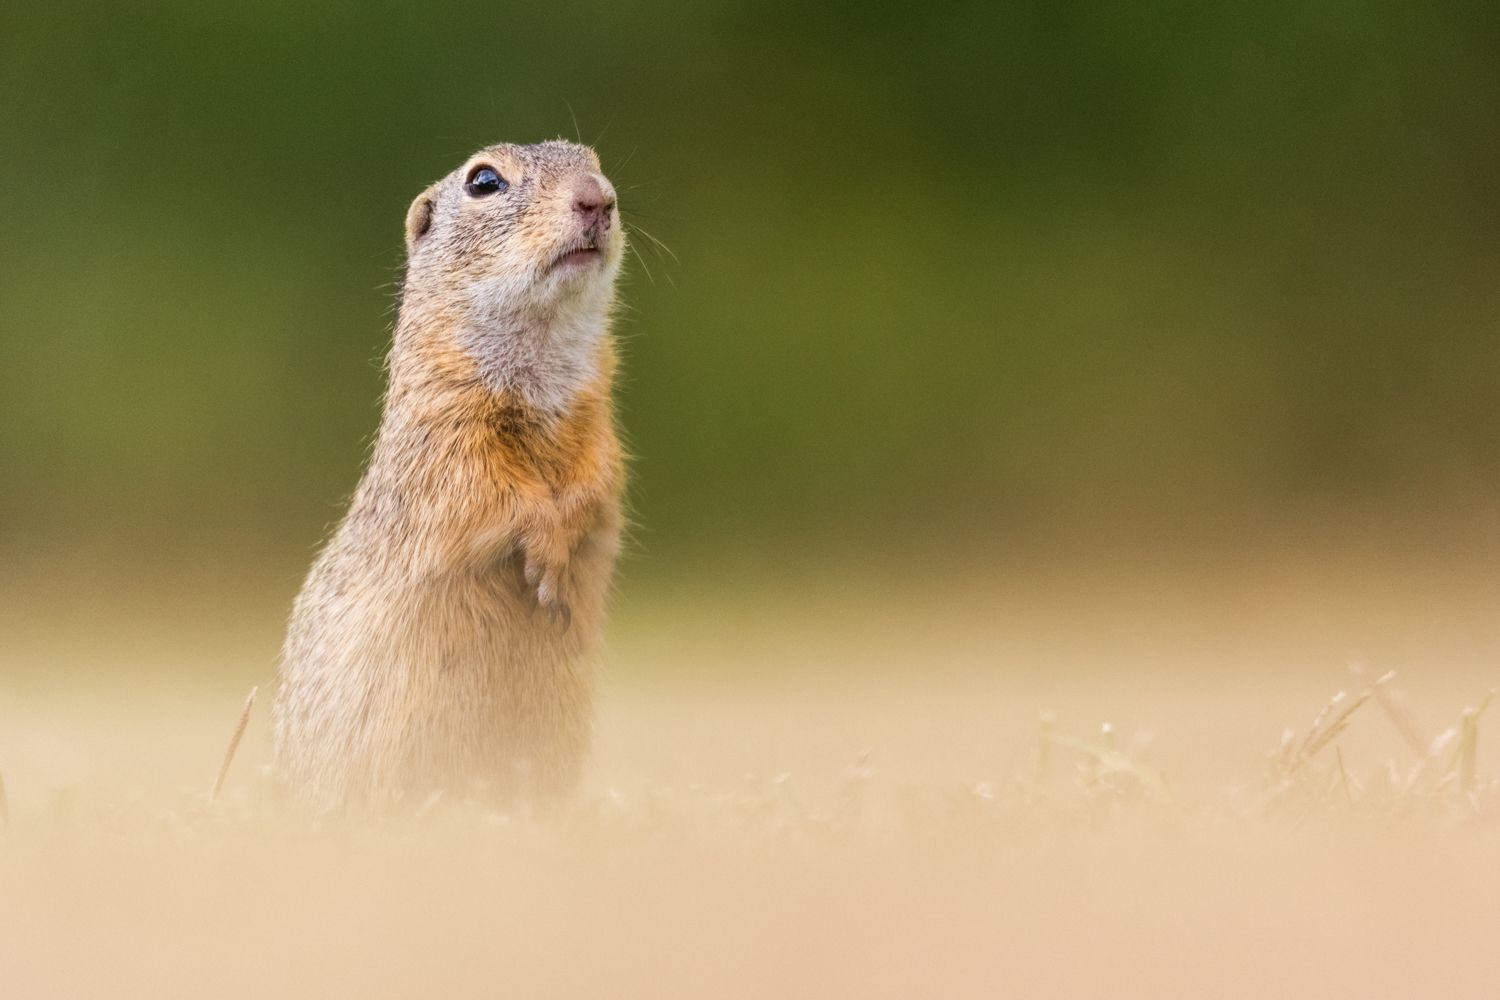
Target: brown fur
x,y
442,639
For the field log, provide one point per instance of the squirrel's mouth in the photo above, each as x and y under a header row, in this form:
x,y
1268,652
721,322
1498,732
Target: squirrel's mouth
x,y
580,254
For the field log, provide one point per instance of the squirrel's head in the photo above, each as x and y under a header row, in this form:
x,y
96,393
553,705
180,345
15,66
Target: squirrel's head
x,y
518,231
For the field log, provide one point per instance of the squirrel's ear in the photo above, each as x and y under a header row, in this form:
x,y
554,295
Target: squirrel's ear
x,y
418,218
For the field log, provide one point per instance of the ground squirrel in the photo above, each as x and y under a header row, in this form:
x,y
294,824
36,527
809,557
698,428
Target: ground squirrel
x,y
442,638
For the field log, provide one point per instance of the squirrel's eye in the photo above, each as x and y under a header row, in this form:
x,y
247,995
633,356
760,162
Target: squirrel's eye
x,y
483,181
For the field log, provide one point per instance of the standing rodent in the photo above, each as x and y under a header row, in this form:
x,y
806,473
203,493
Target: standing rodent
x,y
442,638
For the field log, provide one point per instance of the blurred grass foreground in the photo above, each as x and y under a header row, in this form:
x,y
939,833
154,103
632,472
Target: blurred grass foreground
x,y
1359,872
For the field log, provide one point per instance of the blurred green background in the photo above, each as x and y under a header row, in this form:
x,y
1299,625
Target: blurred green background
x,y
947,280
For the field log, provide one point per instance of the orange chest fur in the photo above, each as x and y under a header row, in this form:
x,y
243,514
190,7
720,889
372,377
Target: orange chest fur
x,y
506,460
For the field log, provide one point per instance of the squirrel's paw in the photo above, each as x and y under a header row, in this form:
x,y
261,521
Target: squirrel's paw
x,y
548,582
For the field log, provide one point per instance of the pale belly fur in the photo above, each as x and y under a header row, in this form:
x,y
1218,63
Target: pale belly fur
x,y
455,683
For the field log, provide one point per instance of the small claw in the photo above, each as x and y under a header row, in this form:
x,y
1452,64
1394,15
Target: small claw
x,y
546,591
547,597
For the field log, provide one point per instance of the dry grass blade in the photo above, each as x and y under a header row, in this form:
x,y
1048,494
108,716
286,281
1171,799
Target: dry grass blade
x,y
4,807
1330,722
1393,703
1048,724
234,744
1316,728
1468,743
1110,761
1336,725
1338,755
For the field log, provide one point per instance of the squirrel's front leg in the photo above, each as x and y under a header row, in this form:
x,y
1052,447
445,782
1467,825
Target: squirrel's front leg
x,y
548,543
546,567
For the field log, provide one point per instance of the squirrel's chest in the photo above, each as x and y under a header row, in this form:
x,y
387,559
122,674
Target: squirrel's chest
x,y
486,479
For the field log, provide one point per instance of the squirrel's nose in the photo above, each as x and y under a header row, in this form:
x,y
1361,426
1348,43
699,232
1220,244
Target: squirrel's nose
x,y
592,200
